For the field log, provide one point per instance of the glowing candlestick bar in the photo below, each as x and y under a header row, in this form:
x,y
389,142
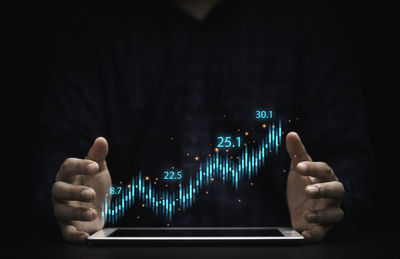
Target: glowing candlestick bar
x,y
217,167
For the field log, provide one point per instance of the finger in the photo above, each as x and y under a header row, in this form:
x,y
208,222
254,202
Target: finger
x,y
98,152
65,212
332,190
63,191
317,233
326,216
76,166
71,234
296,149
320,170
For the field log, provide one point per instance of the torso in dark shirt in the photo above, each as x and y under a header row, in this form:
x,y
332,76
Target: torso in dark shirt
x,y
159,85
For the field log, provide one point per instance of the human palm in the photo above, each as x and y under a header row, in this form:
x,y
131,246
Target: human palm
x,y
313,191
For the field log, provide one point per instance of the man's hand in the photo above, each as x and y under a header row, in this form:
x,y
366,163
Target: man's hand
x,y
314,193
79,191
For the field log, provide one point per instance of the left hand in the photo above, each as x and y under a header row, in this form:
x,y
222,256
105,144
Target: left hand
x,y
314,193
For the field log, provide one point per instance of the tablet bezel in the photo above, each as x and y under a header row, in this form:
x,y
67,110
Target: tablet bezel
x,y
289,236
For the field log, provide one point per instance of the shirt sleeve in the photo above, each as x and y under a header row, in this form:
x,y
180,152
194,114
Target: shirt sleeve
x,y
331,110
72,114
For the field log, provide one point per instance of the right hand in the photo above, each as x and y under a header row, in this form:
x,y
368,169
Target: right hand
x,y
79,191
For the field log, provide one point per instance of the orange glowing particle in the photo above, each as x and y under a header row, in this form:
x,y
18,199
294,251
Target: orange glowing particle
x,y
179,209
129,186
187,154
289,121
216,149
167,224
143,205
239,200
246,133
238,130
264,125
212,179
206,192
172,138
251,183
156,178
166,185
196,158
155,183
138,217
147,178
227,150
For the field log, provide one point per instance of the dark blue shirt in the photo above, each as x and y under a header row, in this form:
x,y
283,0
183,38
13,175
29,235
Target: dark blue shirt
x,y
141,72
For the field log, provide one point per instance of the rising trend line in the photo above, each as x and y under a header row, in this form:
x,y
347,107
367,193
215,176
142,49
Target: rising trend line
x,y
216,167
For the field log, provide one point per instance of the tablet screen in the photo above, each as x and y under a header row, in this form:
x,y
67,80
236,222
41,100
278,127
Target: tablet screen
x,y
195,232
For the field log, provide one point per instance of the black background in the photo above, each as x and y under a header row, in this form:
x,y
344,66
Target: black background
x,y
31,30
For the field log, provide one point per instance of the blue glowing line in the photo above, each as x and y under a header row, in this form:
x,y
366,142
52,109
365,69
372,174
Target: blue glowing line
x,y
215,167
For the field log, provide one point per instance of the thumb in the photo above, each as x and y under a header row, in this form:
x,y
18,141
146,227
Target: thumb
x,y
296,149
98,151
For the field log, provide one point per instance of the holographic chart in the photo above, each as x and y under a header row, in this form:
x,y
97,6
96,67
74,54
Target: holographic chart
x,y
220,165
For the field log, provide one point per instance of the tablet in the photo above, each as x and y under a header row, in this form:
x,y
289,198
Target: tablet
x,y
209,235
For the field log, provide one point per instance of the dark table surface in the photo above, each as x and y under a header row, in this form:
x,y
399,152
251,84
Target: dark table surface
x,y
377,244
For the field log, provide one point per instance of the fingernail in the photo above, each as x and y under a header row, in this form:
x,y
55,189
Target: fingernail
x,y
302,166
86,194
94,214
312,190
312,216
87,214
92,167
